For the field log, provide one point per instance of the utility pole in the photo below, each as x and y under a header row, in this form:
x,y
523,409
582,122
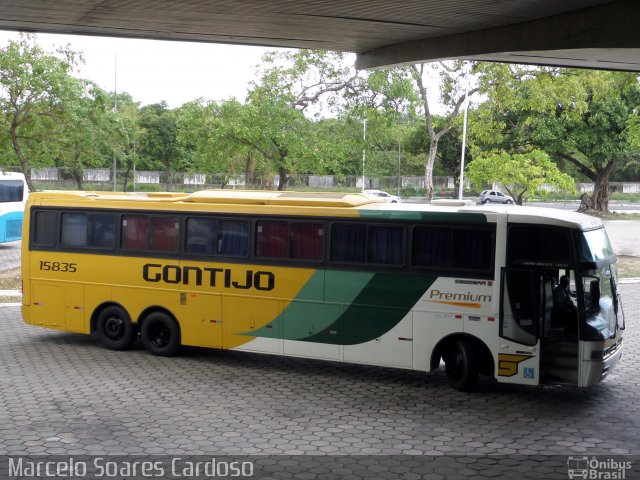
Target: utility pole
x,y
399,180
364,149
115,109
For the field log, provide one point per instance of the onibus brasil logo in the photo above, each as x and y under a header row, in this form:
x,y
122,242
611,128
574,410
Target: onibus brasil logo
x,y
595,468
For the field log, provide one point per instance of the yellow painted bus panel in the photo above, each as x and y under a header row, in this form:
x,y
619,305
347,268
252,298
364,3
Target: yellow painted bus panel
x,y
74,307
200,318
47,305
244,315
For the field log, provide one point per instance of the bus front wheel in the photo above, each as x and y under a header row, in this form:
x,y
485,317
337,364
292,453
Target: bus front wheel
x,y
115,329
461,365
160,334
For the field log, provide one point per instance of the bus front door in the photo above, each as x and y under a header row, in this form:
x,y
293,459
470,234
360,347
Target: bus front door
x,y
518,353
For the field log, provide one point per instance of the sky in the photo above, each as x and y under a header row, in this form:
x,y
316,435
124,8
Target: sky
x,y
155,70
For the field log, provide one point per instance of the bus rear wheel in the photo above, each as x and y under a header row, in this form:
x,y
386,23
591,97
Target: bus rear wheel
x,y
160,334
461,365
115,329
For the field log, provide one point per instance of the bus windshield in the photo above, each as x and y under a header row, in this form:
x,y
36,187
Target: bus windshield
x,y
594,245
11,190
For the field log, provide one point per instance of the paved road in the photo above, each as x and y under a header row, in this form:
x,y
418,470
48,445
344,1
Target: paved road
x,y
624,236
63,393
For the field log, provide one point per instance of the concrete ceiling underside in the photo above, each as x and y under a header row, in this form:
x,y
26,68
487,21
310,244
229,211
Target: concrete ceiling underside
x,y
598,34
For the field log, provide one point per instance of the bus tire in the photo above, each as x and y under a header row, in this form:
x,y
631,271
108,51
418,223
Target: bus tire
x,y
115,330
160,334
462,365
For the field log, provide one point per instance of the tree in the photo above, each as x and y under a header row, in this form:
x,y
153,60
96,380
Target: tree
x,y
452,76
521,174
291,88
35,90
158,140
580,118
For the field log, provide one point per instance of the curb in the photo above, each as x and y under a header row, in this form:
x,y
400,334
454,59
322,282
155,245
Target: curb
x,y
10,293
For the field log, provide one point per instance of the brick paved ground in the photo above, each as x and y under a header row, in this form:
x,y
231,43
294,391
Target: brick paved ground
x,y
63,393
9,255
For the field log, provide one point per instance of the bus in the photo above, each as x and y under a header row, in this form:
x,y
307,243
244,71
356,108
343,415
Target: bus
x,y
13,197
333,276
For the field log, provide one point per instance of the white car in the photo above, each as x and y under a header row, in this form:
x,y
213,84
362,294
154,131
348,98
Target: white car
x,y
387,196
494,196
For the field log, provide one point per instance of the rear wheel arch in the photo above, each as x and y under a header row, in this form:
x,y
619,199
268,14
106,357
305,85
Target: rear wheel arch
x,y
485,357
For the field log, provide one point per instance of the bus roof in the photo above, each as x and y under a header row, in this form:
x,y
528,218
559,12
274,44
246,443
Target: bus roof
x,y
330,202
11,176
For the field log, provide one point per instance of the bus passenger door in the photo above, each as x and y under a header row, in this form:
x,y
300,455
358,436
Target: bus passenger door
x,y
518,352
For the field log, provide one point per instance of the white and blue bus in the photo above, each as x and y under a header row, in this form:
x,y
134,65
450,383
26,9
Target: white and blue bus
x,y
13,197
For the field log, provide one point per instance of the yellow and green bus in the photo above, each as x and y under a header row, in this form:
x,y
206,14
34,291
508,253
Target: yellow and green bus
x,y
334,276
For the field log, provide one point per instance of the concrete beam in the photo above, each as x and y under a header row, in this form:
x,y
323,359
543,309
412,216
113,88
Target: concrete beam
x,y
583,38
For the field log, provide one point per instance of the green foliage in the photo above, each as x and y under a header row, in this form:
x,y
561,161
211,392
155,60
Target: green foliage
x,y
38,96
583,119
523,175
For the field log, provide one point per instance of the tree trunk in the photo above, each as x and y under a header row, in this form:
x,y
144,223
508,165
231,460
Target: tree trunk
x,y
599,201
167,179
428,170
284,178
77,176
126,177
24,164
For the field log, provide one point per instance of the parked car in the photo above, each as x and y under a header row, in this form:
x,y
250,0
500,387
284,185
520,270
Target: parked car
x,y
494,196
387,196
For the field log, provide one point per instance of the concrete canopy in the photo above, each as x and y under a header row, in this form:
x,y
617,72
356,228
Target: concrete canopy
x,y
582,33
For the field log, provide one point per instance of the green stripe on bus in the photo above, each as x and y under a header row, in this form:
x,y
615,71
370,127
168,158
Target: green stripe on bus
x,y
317,306
380,306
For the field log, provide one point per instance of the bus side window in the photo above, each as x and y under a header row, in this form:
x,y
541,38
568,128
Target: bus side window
x,y
134,232
348,242
201,236
165,234
233,238
432,247
45,230
473,249
101,232
386,245
87,230
74,229
307,241
272,239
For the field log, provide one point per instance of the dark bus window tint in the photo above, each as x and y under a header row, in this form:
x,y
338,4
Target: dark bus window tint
x,y
165,234
201,236
135,230
307,241
45,228
74,229
272,239
102,230
233,238
536,243
386,245
348,242
87,230
472,250
432,247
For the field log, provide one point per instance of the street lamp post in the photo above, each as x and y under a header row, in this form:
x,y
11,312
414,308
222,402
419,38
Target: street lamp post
x,y
464,142
364,149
